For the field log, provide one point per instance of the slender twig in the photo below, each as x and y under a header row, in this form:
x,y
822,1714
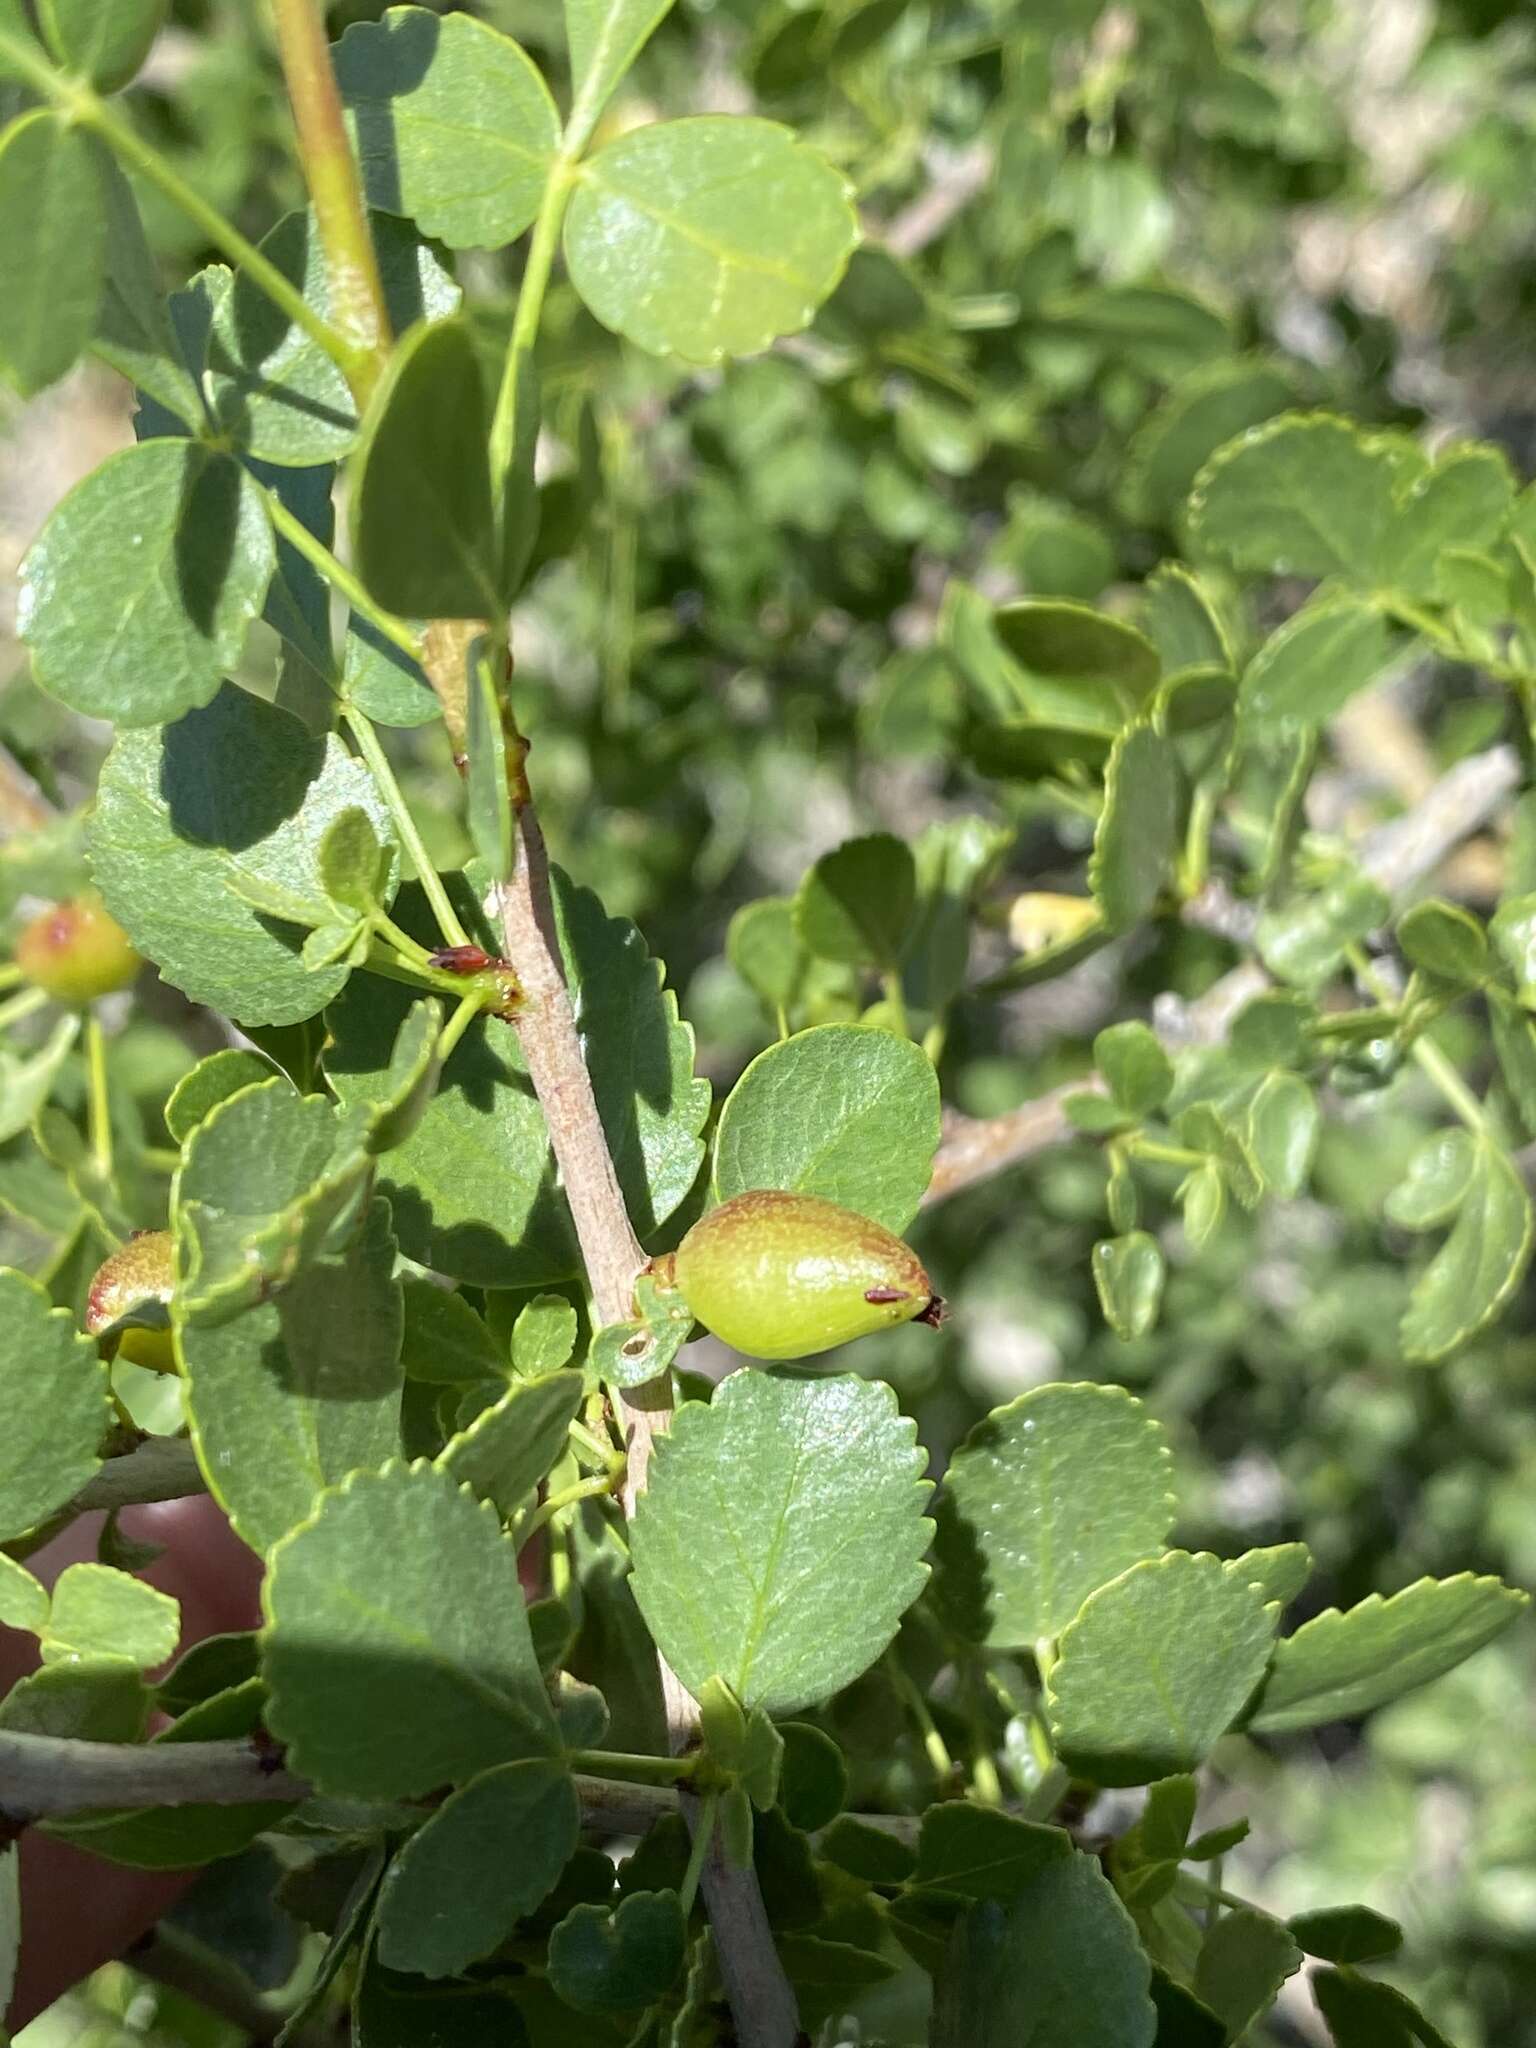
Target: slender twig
x,y
958,176
330,171
1398,856
530,305
41,1775
26,1003
161,1468
166,1956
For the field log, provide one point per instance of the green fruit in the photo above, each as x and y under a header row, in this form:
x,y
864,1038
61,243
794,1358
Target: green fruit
x,y
779,1275
140,1273
77,951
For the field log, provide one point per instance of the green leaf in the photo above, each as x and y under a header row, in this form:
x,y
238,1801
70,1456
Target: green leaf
x,y
212,1081
27,1080
99,1612
23,1599
856,903
1138,828
424,445
474,1189
136,596
1303,941
302,1389
1044,1502
1076,665
544,1335
1284,1124
50,1445
1463,501
1156,1667
601,1961
1322,656
813,1777
489,806
510,1446
1361,2014
708,237
1129,1273
1514,1041
355,870
106,45
273,389
1444,939
866,1851
776,1478
1481,1263
762,943
1346,1934
1244,1960
983,1854
454,126
54,259
396,1652
454,1892
100,1700
1279,1570
444,1340
1180,619
1058,1968
1131,1059
1207,407
1304,495
604,38
1341,1664
382,680
1439,1176
843,1111
236,791
394,2011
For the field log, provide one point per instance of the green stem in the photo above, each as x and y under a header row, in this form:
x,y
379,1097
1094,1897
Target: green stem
x,y
1197,838
24,1005
1155,1151
1427,1056
10,975
934,1746
405,824
77,103
530,305
569,1497
703,1834
99,1104
594,1447
330,171
640,1770
469,1009
896,999
339,576
395,967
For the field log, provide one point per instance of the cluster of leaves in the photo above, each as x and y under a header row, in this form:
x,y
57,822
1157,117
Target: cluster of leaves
x,y
389,1370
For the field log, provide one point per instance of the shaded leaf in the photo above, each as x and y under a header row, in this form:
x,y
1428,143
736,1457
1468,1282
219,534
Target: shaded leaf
x,y
397,1652
136,596
1134,844
50,1448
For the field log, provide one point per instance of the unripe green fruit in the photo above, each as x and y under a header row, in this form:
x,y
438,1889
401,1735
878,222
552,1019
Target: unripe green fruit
x,y
779,1275
142,1271
77,951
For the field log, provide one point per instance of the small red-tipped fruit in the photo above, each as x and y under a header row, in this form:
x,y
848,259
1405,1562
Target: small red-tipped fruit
x,y
780,1275
77,951
140,1273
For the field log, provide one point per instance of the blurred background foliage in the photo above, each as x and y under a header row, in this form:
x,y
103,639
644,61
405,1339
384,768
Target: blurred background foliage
x,y
1101,241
